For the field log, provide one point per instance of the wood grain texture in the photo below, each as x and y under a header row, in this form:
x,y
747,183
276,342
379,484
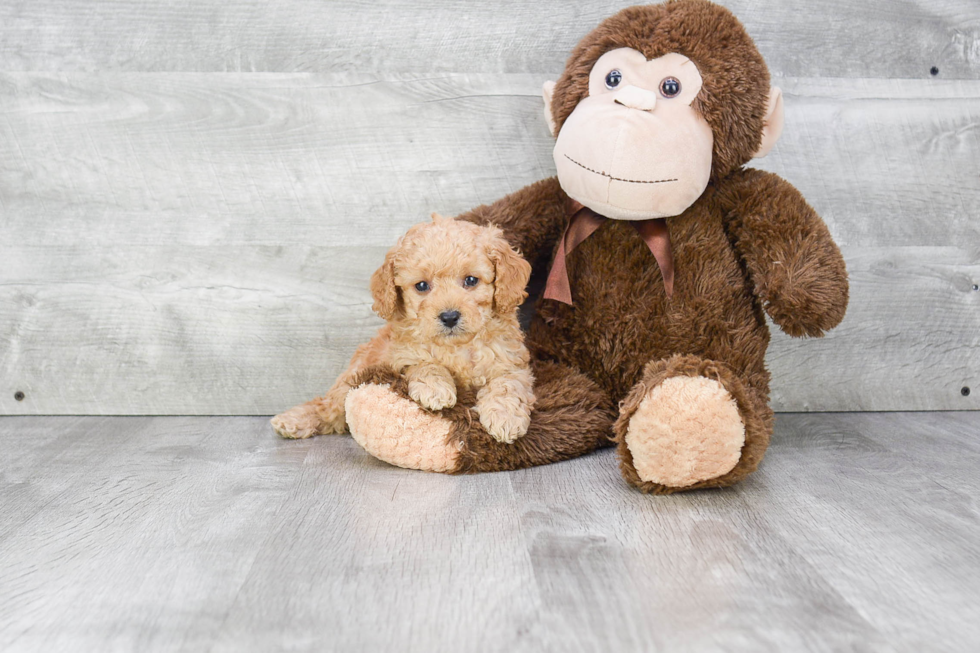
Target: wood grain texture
x,y
872,496
201,243
859,532
829,38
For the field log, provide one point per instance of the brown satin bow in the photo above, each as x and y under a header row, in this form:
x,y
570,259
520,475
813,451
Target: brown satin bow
x,y
583,224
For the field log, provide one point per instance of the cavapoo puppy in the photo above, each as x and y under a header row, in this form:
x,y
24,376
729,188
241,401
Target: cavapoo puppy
x,y
449,290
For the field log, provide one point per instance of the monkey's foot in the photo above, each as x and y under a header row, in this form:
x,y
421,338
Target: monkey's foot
x,y
686,430
396,430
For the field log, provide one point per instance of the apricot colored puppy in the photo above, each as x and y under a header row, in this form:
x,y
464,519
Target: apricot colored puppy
x,y
449,290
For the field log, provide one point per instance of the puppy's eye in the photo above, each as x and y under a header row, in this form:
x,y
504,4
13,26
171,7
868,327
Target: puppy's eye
x,y
470,281
613,78
422,286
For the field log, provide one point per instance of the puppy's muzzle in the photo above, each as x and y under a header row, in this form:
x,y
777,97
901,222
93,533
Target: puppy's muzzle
x,y
449,319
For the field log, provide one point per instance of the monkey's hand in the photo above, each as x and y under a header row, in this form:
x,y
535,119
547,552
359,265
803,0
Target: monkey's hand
x,y
797,269
431,386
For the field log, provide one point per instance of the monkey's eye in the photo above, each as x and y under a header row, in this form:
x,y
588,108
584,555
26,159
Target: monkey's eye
x,y
422,286
613,78
470,281
670,87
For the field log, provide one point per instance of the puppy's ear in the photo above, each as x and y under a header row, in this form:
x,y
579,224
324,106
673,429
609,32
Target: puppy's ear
x,y
383,288
512,273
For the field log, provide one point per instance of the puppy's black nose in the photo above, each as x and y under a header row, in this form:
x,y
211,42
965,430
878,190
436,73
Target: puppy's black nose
x,y
449,318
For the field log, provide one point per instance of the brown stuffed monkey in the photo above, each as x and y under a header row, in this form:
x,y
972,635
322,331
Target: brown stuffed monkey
x,y
663,253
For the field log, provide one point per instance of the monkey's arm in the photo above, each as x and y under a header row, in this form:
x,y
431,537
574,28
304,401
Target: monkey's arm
x,y
797,269
532,218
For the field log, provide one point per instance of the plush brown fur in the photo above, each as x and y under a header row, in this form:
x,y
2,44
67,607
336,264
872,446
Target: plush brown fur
x,y
572,418
483,352
753,409
749,245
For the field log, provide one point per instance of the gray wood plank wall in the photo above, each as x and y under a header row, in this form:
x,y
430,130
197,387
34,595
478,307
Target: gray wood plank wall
x,y
193,194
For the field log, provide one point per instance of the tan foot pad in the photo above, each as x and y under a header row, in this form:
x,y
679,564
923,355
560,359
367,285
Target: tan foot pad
x,y
396,430
685,431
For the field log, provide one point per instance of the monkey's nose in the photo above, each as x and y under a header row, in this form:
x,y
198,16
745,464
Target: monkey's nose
x,y
635,97
449,318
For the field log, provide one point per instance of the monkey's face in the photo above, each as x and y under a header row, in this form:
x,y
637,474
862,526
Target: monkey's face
x,y
635,148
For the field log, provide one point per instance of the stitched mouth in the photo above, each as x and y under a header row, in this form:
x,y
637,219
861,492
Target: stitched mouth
x,y
628,181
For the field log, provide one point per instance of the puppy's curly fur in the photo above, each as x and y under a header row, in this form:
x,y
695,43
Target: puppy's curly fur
x,y
450,291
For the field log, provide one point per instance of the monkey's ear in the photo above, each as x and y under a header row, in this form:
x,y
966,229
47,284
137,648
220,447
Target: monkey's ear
x,y
383,288
512,273
773,126
547,91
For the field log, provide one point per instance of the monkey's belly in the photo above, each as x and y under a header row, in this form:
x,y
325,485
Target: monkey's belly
x,y
621,317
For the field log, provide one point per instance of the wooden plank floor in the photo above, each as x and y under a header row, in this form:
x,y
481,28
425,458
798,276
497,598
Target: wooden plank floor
x,y
860,532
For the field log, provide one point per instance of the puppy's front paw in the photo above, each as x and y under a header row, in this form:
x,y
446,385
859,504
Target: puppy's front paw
x,y
432,394
504,418
296,423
